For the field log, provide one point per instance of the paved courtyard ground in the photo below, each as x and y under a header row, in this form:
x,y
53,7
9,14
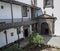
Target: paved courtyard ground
x,y
53,41
50,40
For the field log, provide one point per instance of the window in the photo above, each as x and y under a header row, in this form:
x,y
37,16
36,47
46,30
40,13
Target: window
x,y
12,34
48,3
24,11
2,7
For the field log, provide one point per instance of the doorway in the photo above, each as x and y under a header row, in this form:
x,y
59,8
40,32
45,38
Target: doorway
x,y
25,32
45,28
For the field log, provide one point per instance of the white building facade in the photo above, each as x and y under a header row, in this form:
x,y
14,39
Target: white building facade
x,y
52,10
15,12
17,18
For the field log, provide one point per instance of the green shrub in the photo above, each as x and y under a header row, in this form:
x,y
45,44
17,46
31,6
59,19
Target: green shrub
x,y
36,39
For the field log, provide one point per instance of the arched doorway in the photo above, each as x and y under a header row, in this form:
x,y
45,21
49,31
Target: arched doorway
x,y
44,28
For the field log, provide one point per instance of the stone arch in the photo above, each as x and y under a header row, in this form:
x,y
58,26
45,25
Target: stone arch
x,y
45,28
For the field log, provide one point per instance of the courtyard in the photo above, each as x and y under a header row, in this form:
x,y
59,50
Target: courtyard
x,y
25,46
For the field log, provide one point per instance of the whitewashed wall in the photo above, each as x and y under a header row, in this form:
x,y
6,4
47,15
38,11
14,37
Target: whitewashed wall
x,y
2,39
57,14
17,15
25,1
5,13
11,38
55,11
21,35
17,11
28,2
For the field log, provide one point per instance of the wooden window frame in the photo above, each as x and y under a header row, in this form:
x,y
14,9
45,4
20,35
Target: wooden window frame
x,y
25,9
48,6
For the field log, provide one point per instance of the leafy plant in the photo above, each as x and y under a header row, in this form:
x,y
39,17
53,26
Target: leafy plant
x,y
36,39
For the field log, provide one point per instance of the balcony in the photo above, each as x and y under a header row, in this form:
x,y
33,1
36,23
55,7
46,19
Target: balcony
x,y
6,24
15,20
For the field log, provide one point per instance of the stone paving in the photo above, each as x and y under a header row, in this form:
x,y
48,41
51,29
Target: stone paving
x,y
53,41
24,42
52,49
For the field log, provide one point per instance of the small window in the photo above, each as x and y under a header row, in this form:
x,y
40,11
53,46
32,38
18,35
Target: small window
x,y
12,34
24,11
48,3
2,7
5,32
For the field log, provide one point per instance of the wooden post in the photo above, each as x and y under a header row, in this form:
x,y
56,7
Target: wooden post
x,y
18,37
5,32
11,12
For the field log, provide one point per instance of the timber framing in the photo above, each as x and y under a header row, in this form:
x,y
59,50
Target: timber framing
x,y
5,26
19,3
15,25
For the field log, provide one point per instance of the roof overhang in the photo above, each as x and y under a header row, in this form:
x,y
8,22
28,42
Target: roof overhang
x,y
19,3
46,16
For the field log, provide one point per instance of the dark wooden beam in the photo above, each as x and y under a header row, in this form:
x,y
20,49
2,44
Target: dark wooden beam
x,y
5,32
15,25
18,32
11,12
19,3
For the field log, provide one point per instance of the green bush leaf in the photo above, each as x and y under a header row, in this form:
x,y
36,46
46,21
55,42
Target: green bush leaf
x,y
36,39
